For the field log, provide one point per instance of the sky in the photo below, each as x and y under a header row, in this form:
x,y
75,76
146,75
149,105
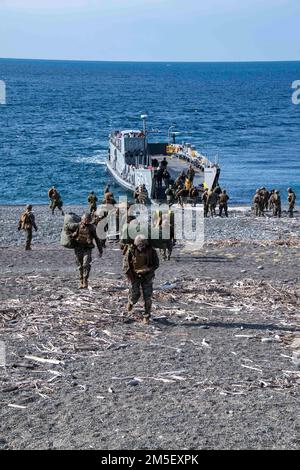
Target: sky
x,y
150,30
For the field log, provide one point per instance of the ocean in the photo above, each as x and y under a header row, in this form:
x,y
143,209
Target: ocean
x,y
55,126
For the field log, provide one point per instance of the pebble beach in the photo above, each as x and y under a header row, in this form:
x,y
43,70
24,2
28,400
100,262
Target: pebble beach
x,y
217,368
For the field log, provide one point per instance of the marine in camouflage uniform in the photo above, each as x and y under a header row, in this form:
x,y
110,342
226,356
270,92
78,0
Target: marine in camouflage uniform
x,y
205,202
139,264
27,223
141,195
56,201
276,200
291,202
84,234
92,200
257,203
223,203
191,174
212,200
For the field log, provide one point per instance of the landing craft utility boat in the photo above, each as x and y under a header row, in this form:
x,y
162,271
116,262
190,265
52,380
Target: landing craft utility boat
x,y
133,161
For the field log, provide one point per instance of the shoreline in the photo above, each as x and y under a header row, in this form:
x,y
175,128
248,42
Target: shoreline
x,y
241,225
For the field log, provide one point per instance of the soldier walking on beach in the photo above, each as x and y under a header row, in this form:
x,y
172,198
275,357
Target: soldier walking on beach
x,y
276,201
223,203
291,202
212,200
139,264
92,200
56,201
257,203
84,234
205,202
27,223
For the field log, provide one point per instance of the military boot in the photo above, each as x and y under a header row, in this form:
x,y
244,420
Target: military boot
x,y
146,320
85,283
129,307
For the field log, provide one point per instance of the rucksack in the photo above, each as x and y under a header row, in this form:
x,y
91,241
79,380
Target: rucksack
x,y
71,222
25,221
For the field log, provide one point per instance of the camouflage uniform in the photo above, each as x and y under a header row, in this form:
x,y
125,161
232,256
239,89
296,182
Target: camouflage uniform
x,y
212,200
205,202
257,202
276,204
191,174
83,236
56,201
291,202
223,200
134,263
26,223
92,200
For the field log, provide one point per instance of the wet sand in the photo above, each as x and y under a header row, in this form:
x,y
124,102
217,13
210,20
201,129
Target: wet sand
x,y
216,368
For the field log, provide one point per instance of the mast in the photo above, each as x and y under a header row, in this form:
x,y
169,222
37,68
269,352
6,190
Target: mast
x,y
144,118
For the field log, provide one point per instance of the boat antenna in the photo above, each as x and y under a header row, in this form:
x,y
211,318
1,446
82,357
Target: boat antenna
x,y
146,156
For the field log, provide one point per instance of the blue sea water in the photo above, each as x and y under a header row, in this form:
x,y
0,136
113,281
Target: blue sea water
x,y
54,128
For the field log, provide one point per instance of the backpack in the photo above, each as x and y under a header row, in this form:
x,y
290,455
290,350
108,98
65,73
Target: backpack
x,y
71,222
25,221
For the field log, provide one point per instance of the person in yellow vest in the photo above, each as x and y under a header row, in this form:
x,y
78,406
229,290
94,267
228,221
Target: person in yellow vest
x,y
187,184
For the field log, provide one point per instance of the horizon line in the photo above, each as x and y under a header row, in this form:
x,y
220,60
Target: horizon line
x,y
155,61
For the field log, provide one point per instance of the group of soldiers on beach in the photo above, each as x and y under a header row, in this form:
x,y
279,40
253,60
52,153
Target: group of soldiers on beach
x,y
183,190
265,200
140,258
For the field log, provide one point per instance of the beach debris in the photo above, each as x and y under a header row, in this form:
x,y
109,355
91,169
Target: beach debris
x,y
42,360
205,343
252,368
17,407
134,382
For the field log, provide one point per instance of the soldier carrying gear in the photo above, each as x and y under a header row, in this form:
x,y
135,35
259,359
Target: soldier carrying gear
x,y
55,199
205,202
257,202
170,195
218,190
194,194
26,223
84,234
212,200
223,203
191,174
291,202
276,200
109,199
270,202
92,200
141,195
139,265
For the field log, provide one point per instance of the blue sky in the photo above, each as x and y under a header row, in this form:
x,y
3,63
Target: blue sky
x,y
151,30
